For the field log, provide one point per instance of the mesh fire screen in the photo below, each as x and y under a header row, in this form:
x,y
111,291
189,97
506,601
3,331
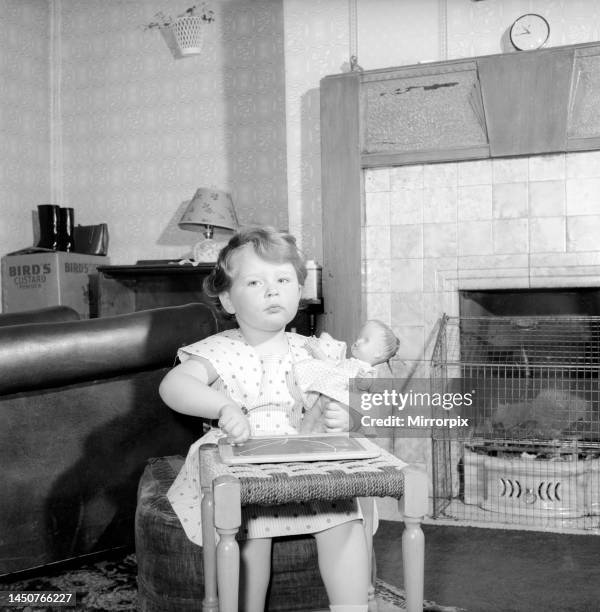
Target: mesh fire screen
x,y
531,454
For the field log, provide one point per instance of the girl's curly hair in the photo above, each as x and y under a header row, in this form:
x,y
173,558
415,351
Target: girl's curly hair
x,y
268,243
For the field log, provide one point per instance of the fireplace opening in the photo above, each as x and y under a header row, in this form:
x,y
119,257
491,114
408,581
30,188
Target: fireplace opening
x,y
531,453
530,302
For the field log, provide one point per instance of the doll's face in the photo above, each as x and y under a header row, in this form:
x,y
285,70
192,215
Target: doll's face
x,y
370,344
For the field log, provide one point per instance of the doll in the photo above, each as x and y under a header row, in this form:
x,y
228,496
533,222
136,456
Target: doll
x,y
376,344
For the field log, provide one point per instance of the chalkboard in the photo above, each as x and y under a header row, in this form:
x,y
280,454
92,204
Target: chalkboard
x,y
310,447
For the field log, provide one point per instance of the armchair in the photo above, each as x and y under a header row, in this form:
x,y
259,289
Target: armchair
x,y
79,417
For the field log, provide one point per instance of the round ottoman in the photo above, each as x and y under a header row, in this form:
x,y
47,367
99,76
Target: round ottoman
x,y
170,568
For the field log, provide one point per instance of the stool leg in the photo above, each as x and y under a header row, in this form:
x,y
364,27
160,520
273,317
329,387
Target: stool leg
x,y
210,603
367,505
413,506
228,518
413,559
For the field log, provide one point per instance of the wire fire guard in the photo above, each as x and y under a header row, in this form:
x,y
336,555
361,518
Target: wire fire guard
x,y
531,453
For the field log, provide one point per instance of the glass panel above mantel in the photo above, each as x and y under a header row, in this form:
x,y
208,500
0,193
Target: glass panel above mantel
x,y
431,110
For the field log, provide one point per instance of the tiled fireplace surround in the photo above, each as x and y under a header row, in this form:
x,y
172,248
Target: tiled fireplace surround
x,y
432,230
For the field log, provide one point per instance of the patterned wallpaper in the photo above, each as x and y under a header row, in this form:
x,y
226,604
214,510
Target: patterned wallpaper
x,y
481,28
316,43
142,130
24,118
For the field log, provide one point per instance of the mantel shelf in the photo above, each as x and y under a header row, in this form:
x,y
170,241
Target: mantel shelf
x,y
145,269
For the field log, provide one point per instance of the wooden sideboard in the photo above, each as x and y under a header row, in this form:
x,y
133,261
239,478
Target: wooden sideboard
x,y
142,286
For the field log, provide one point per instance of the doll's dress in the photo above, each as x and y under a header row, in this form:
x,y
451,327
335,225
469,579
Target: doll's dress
x,y
331,378
264,386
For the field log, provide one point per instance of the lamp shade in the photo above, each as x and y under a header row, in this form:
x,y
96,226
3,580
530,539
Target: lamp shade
x,y
209,207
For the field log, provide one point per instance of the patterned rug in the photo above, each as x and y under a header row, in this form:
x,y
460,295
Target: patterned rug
x,y
108,586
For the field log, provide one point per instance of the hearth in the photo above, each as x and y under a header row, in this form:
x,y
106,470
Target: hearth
x,y
531,454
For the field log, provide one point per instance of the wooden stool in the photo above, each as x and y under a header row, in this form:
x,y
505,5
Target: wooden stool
x,y
227,488
170,567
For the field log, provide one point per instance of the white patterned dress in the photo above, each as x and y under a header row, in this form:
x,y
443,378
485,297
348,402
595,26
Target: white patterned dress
x,y
263,385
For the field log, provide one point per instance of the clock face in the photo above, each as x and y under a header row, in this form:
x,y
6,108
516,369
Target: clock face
x,y
529,31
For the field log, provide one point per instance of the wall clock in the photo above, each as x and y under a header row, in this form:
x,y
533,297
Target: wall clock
x,y
529,31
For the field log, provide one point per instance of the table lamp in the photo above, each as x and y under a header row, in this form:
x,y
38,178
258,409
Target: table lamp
x,y
209,208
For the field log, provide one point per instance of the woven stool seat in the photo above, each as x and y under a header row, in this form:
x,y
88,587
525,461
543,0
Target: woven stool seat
x,y
272,484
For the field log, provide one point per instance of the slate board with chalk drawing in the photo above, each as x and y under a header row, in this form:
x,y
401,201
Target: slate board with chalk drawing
x,y
309,447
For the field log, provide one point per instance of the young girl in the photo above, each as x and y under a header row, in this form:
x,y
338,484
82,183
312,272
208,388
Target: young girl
x,y
244,378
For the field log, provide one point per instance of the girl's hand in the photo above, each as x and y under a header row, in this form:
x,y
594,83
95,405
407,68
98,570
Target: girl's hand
x,y
234,423
336,417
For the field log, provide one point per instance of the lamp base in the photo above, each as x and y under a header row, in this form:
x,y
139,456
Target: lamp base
x,y
208,250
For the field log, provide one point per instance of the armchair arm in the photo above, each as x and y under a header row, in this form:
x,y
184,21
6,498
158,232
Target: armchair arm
x,y
54,354
39,315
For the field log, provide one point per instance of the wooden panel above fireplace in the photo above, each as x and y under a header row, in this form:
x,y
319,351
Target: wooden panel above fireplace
x,y
526,101
502,105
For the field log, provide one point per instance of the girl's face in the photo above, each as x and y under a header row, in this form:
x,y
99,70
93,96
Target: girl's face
x,y
263,296
369,344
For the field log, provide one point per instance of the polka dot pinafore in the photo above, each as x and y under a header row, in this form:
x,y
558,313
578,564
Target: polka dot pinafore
x,y
264,386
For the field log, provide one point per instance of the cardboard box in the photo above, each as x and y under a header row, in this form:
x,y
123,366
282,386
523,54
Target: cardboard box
x,y
54,278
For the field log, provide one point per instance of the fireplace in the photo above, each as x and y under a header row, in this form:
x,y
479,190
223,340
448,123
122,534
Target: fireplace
x,y
422,227
531,454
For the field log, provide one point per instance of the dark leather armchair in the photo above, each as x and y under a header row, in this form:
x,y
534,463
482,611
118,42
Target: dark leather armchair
x,y
79,417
